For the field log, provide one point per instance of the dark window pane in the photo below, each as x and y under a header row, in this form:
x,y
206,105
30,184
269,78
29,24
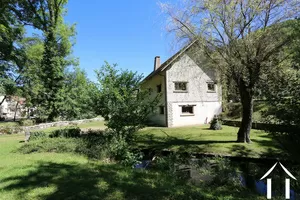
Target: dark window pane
x,y
187,109
211,86
180,86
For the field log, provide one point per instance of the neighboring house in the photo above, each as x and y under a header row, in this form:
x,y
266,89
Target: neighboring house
x,y
190,94
12,106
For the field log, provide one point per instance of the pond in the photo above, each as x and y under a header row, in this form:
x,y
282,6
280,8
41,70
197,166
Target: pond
x,y
246,172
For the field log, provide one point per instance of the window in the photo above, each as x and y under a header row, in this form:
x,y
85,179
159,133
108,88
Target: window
x,y
187,110
180,86
211,87
158,88
161,110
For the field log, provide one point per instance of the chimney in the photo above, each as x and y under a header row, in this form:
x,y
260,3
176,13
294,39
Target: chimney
x,y
156,62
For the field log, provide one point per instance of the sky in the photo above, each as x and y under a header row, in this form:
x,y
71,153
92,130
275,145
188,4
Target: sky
x,y
127,32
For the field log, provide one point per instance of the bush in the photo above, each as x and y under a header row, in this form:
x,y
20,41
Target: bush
x,y
221,171
10,129
27,122
101,145
70,132
37,135
215,124
58,145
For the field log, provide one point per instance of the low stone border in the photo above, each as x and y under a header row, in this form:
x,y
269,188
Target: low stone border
x,y
60,124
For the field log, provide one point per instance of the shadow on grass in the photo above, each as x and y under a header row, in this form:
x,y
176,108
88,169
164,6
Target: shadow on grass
x,y
91,181
265,148
160,143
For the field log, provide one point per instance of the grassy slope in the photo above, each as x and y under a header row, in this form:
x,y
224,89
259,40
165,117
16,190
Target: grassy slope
x,y
201,139
69,176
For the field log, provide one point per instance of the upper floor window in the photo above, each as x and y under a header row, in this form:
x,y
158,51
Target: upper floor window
x,y
158,87
211,87
180,86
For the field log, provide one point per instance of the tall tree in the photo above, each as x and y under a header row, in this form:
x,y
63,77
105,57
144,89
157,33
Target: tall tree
x,y
11,57
47,16
241,38
77,94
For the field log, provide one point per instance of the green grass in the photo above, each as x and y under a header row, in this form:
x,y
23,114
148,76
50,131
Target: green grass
x,y
70,176
93,125
9,123
199,139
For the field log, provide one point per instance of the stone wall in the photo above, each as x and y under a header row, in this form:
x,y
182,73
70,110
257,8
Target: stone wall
x,y
61,124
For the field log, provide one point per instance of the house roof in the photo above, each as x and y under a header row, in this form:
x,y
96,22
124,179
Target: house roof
x,y
168,62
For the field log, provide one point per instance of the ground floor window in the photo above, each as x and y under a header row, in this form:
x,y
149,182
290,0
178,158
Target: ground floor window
x,y
187,110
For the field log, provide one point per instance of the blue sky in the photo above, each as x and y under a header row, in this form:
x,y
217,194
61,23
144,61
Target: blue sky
x,y
130,33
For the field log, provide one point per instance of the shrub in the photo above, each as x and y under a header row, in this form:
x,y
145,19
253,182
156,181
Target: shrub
x,y
10,129
58,145
70,132
94,144
105,145
221,170
37,135
27,122
215,124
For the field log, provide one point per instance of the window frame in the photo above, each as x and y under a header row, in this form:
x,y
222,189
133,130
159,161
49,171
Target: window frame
x,y
214,85
187,113
181,91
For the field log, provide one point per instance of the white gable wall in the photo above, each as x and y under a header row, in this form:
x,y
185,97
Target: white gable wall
x,y
206,104
156,117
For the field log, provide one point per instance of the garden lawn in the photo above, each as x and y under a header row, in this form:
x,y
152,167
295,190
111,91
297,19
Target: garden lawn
x,y
69,176
200,139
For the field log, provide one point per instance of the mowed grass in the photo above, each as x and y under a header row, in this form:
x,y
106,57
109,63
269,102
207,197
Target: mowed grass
x,y
9,124
197,139
70,176
200,139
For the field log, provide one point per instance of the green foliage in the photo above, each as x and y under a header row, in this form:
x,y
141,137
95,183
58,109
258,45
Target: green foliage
x,y
171,164
121,100
220,170
36,135
100,145
27,122
70,132
77,94
44,71
58,145
215,124
10,129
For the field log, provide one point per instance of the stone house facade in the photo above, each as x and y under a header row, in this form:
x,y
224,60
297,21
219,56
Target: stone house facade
x,y
189,93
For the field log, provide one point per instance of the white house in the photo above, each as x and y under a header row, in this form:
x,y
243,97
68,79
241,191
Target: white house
x,y
12,106
190,94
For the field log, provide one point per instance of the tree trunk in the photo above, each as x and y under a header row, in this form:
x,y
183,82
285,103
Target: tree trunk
x,y
3,100
243,134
